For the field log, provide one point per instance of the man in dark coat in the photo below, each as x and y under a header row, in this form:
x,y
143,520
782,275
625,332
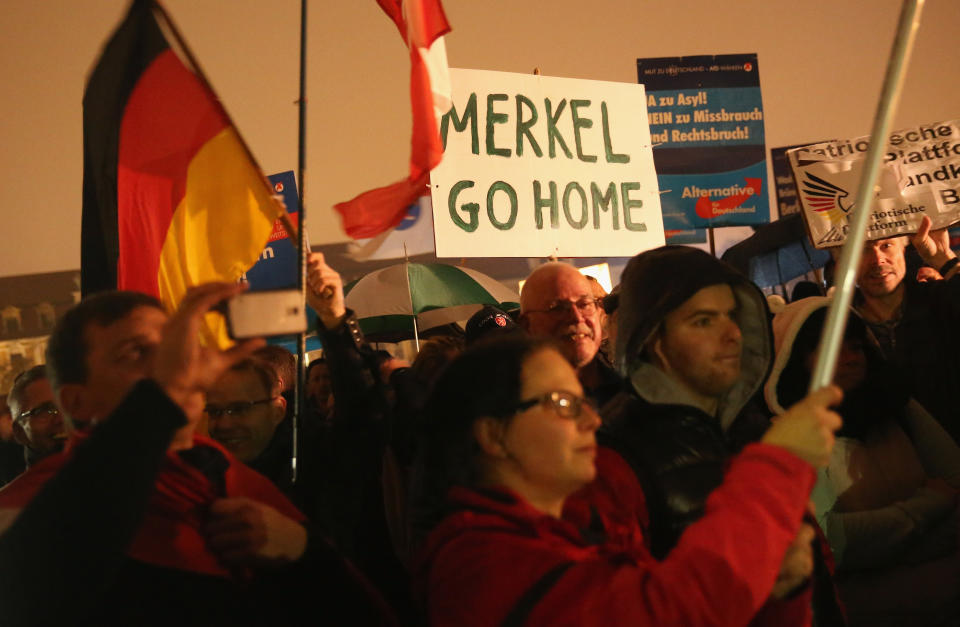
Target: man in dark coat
x,y
140,521
916,324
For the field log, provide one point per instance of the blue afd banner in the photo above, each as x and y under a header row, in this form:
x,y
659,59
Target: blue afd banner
x,y
706,125
277,267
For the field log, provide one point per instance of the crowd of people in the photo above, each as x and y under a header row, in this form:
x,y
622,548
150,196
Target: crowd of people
x,y
640,457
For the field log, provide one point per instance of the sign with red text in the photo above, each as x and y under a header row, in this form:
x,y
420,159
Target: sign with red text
x,y
920,176
537,166
277,267
706,123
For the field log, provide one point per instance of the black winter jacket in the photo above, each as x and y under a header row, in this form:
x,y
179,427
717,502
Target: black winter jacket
x,y
679,454
924,345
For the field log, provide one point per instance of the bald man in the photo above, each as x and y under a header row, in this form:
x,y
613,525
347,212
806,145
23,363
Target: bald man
x,y
557,301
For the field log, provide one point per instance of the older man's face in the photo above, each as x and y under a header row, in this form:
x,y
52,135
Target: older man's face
x,y
558,302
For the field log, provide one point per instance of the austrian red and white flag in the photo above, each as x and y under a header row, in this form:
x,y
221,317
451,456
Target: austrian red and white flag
x,y
422,25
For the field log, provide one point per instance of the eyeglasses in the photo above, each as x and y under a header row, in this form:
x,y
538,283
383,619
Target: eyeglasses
x,y
44,411
235,409
586,306
566,404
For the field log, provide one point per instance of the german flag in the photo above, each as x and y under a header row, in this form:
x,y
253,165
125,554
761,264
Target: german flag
x,y
171,197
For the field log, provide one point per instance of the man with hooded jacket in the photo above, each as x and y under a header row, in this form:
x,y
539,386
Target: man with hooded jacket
x,y
694,341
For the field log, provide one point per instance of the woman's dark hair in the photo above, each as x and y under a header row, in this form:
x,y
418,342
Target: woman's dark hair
x,y
483,381
881,395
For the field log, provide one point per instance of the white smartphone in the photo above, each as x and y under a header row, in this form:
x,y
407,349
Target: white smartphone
x,y
266,313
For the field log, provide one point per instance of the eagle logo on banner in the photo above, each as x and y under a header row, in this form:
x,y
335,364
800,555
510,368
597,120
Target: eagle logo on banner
x,y
826,198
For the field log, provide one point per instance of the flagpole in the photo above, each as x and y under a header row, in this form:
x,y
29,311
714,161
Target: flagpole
x,y
824,495
300,397
839,309
202,77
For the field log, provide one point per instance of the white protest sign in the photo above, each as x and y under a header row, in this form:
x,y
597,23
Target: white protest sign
x,y
920,176
537,166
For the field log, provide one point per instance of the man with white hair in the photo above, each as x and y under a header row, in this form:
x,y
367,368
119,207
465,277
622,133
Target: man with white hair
x,y
557,301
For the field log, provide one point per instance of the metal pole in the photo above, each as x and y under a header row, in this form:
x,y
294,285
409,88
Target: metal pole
x,y
836,320
299,399
416,334
406,274
824,495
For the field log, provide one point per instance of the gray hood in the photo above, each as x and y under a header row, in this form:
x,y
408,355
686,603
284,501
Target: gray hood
x,y
657,282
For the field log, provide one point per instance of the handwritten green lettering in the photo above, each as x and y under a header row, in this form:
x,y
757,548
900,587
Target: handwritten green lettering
x,y
472,208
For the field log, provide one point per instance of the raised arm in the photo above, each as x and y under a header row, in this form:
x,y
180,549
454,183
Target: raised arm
x,y
66,541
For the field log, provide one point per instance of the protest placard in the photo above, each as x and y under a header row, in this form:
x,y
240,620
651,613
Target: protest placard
x,y
277,267
536,166
788,201
920,176
706,123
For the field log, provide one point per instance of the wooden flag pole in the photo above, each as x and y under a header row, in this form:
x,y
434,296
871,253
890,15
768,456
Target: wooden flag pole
x,y
836,321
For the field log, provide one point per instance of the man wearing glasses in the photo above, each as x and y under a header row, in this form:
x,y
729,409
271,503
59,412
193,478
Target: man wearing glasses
x,y
244,408
37,424
557,301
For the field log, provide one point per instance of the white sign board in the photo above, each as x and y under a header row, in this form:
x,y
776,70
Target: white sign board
x,y
537,166
920,176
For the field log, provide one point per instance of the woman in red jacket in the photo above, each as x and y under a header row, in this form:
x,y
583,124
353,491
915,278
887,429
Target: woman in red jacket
x,y
509,438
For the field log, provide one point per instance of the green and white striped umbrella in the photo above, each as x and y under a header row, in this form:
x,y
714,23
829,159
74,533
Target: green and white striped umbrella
x,y
387,301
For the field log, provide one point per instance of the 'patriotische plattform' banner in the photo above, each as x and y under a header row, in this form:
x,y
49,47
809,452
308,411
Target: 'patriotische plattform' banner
x,y
535,166
706,123
920,176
